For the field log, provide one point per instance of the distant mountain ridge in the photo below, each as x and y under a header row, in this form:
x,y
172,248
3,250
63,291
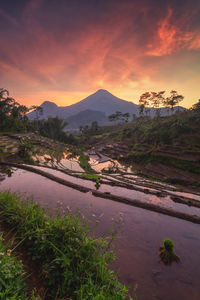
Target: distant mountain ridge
x,y
86,117
100,102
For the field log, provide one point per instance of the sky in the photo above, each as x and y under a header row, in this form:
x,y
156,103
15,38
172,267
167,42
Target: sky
x,y
65,50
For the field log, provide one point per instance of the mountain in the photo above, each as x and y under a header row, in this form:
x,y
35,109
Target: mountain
x,y
100,104
86,117
102,101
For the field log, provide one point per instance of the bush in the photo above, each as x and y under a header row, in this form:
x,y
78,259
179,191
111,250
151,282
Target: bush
x,y
11,275
74,264
166,252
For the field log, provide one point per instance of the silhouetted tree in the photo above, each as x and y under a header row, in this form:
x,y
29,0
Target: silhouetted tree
x,y
157,100
94,127
144,103
119,116
126,117
173,100
196,107
12,114
134,117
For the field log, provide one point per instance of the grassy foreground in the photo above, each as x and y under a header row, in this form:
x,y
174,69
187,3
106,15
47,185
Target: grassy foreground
x,y
11,275
74,265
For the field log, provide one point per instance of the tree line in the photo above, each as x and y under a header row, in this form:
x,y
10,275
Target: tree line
x,y
13,118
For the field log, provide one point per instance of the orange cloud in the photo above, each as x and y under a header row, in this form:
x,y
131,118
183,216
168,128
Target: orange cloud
x,y
172,38
125,47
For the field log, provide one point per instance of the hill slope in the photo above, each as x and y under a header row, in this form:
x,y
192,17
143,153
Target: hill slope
x,y
167,148
86,117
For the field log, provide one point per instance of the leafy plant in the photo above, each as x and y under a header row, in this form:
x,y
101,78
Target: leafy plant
x,y
83,159
166,252
11,275
73,263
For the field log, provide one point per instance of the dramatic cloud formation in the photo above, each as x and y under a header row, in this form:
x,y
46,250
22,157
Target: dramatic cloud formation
x,y
65,50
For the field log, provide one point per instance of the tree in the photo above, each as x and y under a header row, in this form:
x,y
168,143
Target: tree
x,y
119,116
157,100
141,109
3,93
134,117
94,127
38,110
115,117
12,114
196,107
144,103
151,99
173,100
125,117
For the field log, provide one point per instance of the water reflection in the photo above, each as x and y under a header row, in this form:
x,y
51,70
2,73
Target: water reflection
x,y
137,244
164,201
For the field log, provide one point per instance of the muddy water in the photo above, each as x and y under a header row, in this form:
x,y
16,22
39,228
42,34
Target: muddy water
x,y
166,201
137,243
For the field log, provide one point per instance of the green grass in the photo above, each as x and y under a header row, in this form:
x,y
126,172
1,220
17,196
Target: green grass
x,y
83,160
12,275
145,158
74,264
12,285
90,176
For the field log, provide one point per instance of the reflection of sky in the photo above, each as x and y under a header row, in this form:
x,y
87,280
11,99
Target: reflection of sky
x,y
134,194
63,51
140,236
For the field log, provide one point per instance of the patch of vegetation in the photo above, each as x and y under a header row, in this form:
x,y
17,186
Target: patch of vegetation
x,y
111,170
97,184
9,172
74,264
53,128
90,176
83,159
12,284
25,148
13,116
166,252
145,158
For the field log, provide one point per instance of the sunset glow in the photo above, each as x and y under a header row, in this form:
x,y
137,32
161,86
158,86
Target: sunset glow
x,y
63,51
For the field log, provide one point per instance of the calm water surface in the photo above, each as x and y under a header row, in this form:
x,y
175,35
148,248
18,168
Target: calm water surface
x,y
137,243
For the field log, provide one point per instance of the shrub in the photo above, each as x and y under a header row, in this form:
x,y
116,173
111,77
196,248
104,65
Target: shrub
x,y
11,275
74,264
166,252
